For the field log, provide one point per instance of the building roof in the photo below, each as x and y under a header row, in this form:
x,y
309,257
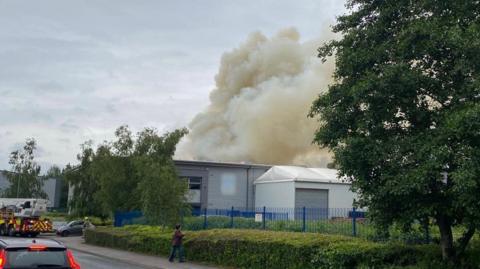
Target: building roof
x,y
219,164
300,174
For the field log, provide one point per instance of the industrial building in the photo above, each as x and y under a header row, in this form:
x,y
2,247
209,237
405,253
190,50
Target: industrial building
x,y
319,190
52,187
249,186
220,185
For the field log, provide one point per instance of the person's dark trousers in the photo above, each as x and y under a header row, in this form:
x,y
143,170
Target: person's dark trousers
x,y
181,254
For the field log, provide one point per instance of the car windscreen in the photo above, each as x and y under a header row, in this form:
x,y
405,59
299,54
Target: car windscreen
x,y
26,258
74,223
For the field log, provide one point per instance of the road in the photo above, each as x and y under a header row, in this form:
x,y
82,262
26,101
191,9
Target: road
x,y
95,257
88,261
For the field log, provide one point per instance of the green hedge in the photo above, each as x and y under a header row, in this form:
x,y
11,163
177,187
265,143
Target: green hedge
x,y
324,226
330,226
267,249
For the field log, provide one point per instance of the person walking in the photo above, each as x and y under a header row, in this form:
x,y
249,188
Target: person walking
x,y
177,245
86,225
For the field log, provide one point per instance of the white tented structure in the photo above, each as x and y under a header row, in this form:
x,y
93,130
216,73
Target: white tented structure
x,y
293,187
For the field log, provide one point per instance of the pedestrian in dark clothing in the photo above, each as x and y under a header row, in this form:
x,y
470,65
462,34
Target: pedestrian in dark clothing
x,y
177,245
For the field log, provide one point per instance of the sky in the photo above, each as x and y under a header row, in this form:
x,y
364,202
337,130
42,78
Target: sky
x,y
72,71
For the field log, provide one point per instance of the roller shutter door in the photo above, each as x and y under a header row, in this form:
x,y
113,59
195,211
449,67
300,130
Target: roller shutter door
x,y
311,198
314,200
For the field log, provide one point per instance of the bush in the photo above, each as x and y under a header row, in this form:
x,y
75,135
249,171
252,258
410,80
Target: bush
x,y
219,222
57,216
101,222
267,249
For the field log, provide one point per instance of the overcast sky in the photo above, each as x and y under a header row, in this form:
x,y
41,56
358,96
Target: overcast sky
x,y
71,71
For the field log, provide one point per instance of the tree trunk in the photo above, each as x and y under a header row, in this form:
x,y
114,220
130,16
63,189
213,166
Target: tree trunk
x,y
446,238
463,241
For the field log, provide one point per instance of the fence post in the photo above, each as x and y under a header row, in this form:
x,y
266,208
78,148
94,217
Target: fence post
x,y
205,218
231,218
354,222
304,226
115,219
263,217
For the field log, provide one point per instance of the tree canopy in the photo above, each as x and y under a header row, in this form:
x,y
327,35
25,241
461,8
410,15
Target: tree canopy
x,y
162,193
83,201
24,178
129,173
402,114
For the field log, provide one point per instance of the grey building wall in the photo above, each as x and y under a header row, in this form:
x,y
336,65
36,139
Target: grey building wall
x,y
186,171
227,187
3,181
223,184
254,174
52,187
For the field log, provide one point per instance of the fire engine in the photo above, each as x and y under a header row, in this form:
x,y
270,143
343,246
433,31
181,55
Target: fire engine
x,y
23,217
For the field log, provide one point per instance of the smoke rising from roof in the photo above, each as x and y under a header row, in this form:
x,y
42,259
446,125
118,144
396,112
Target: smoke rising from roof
x,y
258,110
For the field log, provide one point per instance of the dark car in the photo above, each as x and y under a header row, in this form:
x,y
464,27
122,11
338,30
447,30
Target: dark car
x,y
71,228
22,253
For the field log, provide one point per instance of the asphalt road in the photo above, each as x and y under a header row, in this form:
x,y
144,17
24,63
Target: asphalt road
x,y
88,261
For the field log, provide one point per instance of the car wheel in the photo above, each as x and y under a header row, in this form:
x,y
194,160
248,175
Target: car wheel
x,y
65,233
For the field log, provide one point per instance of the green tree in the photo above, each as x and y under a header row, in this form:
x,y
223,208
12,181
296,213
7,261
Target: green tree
x,y
84,200
25,180
402,114
163,194
114,169
129,173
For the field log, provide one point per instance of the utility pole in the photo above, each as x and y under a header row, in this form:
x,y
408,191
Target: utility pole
x,y
18,185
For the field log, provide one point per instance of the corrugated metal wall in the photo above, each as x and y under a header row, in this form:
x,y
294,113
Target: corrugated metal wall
x,y
311,198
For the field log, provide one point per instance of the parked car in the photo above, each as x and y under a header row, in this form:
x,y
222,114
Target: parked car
x,y
72,228
37,253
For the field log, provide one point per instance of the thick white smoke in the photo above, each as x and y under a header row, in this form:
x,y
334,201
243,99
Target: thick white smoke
x,y
258,110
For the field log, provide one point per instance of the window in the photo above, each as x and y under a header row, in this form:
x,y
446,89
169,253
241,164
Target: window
x,y
75,223
194,183
24,258
228,184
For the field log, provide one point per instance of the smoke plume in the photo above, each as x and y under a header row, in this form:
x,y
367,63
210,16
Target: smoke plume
x,y
258,110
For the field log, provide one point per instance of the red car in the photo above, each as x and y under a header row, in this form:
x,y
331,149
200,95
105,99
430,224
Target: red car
x,y
22,253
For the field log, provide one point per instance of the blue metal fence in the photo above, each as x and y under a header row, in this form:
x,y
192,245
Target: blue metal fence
x,y
128,218
346,221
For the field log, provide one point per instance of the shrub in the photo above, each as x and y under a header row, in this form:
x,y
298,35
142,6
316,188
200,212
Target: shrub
x,y
267,249
56,216
219,222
